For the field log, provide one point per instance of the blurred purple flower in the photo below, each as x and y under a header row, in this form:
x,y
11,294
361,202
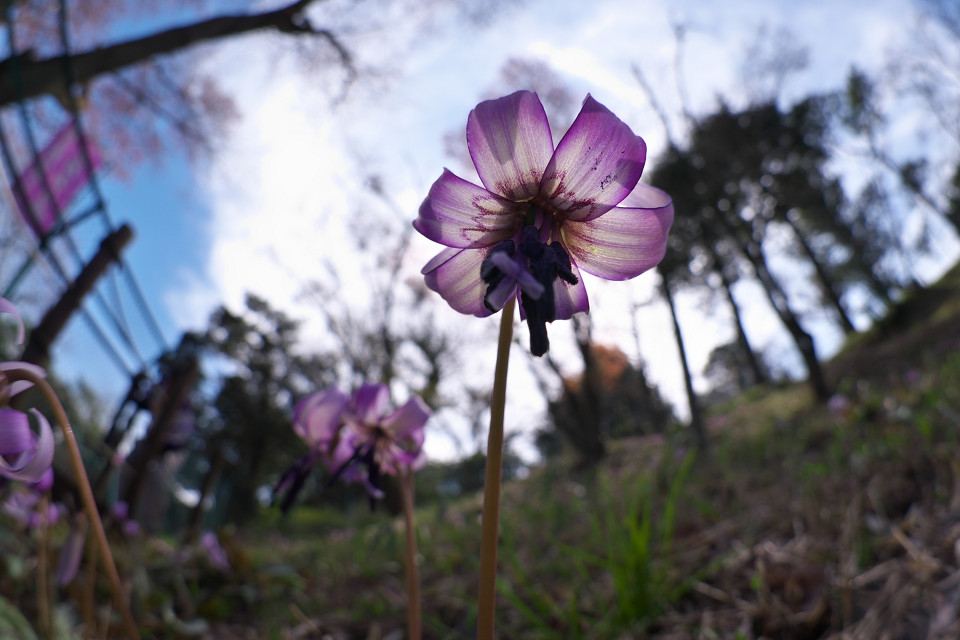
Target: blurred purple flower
x,y
71,553
913,377
542,213
318,417
356,437
373,442
120,517
25,455
120,510
24,506
214,551
131,528
839,406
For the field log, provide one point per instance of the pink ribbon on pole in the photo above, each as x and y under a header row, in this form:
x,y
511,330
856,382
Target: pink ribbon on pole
x,y
66,172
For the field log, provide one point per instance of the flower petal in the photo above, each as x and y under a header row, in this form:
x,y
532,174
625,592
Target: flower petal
x,y
70,555
21,506
597,163
458,213
370,403
406,423
18,386
343,454
15,433
510,142
45,483
515,275
396,458
625,241
570,298
7,307
30,466
319,416
455,275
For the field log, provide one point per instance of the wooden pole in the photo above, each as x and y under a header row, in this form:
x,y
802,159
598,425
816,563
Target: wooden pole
x,y
43,336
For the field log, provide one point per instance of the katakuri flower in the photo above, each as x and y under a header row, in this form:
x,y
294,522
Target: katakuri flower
x,y
356,437
25,454
374,441
543,214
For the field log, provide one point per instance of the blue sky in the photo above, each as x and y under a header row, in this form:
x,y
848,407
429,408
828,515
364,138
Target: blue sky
x,y
277,199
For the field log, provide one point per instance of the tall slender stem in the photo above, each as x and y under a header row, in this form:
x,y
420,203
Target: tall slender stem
x,y
86,496
43,586
413,572
486,600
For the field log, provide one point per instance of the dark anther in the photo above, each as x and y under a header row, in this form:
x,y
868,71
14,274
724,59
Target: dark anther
x,y
490,273
547,263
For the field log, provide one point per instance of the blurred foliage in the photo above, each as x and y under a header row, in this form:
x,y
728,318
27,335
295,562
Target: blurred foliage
x,y
259,375
619,402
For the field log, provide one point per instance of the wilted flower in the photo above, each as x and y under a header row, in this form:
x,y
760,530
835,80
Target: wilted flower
x,y
24,454
542,213
356,437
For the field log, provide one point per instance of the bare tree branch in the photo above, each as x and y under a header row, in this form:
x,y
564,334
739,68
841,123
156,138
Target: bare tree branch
x,y
23,77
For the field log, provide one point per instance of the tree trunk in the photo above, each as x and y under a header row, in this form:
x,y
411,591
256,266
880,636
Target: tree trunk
x,y
827,285
589,410
37,349
22,77
696,417
867,267
210,481
150,449
778,299
759,371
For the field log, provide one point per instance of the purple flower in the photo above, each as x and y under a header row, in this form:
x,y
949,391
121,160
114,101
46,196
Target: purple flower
x,y
214,552
24,454
357,438
120,517
839,406
24,506
71,553
317,418
372,442
542,213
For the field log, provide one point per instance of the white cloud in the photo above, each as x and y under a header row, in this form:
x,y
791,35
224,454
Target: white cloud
x,y
281,192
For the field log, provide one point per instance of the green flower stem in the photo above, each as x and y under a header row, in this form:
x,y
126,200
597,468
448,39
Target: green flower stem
x,y
86,495
486,599
413,572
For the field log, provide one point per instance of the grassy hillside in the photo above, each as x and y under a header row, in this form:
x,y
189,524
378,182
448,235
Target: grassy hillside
x,y
800,522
